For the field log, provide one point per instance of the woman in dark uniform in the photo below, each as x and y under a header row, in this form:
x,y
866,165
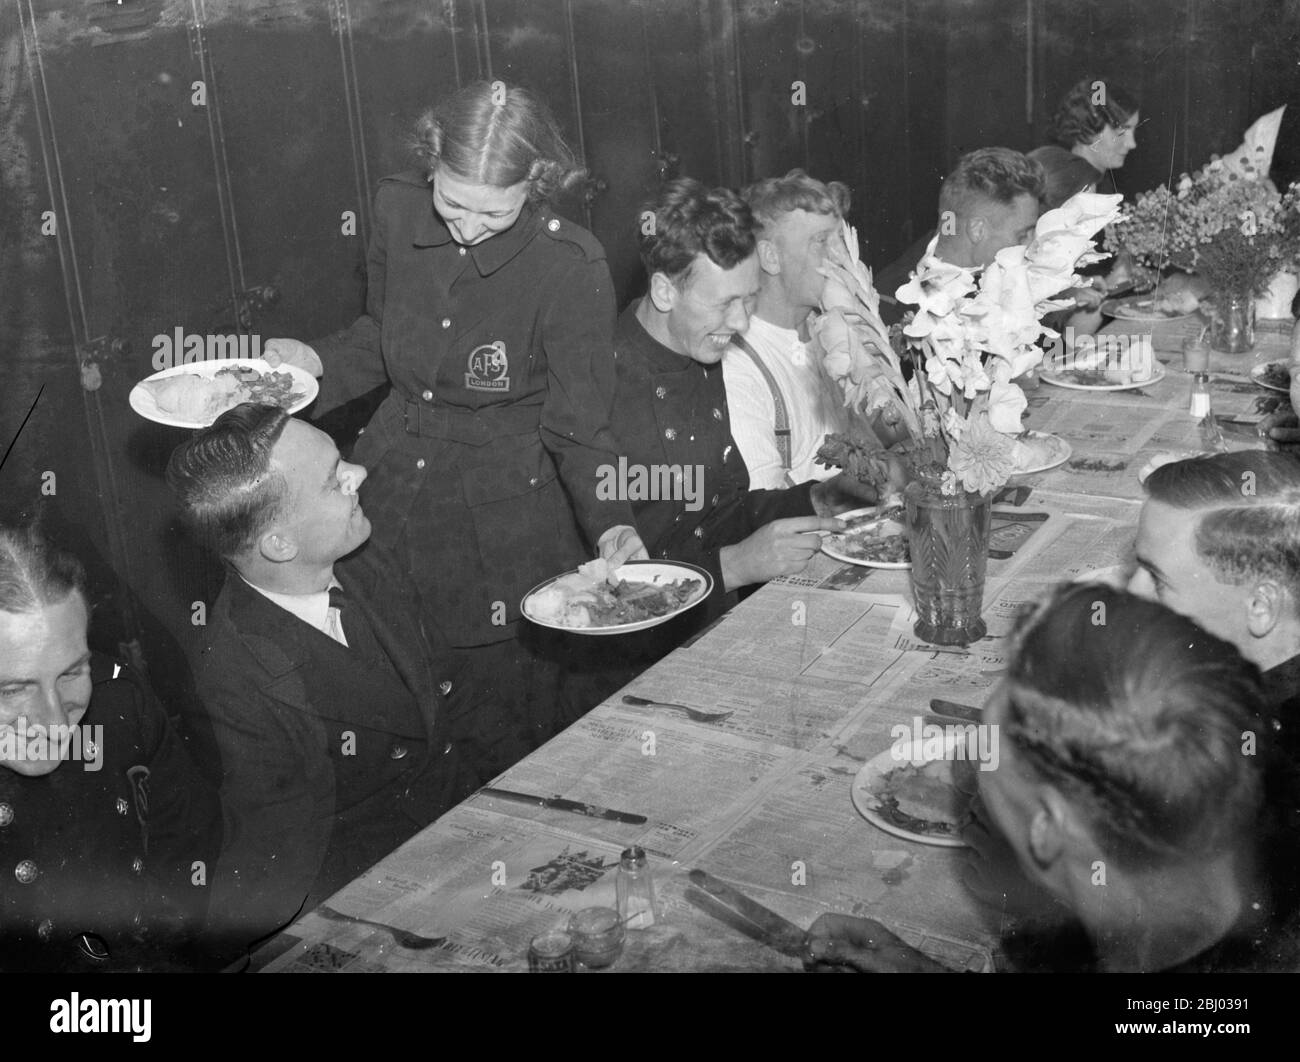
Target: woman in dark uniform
x,y
491,319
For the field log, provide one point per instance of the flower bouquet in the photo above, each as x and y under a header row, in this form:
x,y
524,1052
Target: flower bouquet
x,y
956,420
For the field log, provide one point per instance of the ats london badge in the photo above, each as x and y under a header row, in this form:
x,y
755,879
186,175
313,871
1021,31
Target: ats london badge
x,y
488,368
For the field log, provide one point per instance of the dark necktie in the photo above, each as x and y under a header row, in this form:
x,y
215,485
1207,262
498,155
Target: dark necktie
x,y
356,628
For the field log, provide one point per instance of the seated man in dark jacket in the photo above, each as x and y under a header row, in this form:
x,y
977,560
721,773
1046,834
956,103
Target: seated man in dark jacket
x,y
670,405
107,831
331,709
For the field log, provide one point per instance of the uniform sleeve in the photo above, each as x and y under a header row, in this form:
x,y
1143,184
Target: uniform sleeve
x,y
753,421
353,358
275,834
578,339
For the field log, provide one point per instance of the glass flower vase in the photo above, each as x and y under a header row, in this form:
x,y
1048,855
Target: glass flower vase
x,y
1232,322
948,535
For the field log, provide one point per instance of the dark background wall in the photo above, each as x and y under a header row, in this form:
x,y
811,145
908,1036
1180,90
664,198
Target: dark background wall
x,y
169,214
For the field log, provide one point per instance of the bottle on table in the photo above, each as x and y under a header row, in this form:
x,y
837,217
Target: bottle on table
x,y
635,889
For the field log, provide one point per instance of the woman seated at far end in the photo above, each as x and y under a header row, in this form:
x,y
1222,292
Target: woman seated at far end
x,y
1124,790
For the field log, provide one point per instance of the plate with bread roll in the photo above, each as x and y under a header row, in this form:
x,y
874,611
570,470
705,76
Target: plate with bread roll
x,y
193,396
921,787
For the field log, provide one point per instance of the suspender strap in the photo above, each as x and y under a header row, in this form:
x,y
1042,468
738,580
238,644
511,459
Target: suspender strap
x,y
782,417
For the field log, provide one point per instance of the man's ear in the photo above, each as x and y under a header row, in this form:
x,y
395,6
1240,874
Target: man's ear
x,y
1049,826
277,546
977,227
769,257
1264,608
663,293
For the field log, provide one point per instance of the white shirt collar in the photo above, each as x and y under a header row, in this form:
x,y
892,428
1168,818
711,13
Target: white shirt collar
x,y
313,609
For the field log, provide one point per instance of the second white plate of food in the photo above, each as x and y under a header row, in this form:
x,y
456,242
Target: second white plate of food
x,y
1275,375
875,538
648,593
1046,451
1097,379
193,396
920,791
1173,307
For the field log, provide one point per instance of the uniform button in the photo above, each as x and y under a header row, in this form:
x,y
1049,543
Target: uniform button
x,y
6,814
532,481
715,499
661,392
397,752
92,750
26,872
137,865
445,687
447,749
699,532
446,322
677,519
670,434
419,463
121,805
717,414
462,252
427,396
45,930
553,225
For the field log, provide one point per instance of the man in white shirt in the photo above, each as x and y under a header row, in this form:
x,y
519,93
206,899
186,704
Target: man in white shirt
x,y
781,403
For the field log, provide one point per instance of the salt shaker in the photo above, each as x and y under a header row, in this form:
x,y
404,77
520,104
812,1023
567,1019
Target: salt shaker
x,y
1199,406
635,889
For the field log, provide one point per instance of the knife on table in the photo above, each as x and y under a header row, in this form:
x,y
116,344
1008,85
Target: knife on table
x,y
593,811
747,916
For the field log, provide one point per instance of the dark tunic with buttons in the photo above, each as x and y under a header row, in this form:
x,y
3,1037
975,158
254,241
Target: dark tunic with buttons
x,y
329,759
670,410
484,456
106,869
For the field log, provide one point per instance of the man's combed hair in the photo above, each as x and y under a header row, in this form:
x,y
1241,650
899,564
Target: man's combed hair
x,y
997,174
223,482
1065,174
772,197
1248,504
34,572
1079,120
498,135
690,219
1137,716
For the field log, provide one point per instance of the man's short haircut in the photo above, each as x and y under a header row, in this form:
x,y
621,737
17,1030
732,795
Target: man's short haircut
x,y
1247,506
1065,174
1136,715
227,494
772,197
1080,121
689,220
994,174
34,572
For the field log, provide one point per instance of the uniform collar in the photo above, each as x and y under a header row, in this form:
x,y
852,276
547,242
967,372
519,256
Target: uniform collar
x,y
492,254
657,357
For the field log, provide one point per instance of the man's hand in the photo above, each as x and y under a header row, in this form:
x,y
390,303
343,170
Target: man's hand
x,y
1282,431
621,543
843,492
292,352
783,547
1088,298
841,942
992,873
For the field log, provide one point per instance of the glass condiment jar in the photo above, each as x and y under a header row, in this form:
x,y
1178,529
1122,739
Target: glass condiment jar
x,y
635,888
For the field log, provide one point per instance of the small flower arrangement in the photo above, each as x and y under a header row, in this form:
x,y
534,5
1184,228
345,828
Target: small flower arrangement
x,y
1230,226
971,335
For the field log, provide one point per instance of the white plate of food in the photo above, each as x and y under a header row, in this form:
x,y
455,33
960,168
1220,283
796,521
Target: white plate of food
x,y
875,538
193,396
1153,307
1102,379
1042,451
1275,375
641,594
913,793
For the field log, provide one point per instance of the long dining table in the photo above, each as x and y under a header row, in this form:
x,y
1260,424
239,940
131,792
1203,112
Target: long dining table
x,y
818,671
